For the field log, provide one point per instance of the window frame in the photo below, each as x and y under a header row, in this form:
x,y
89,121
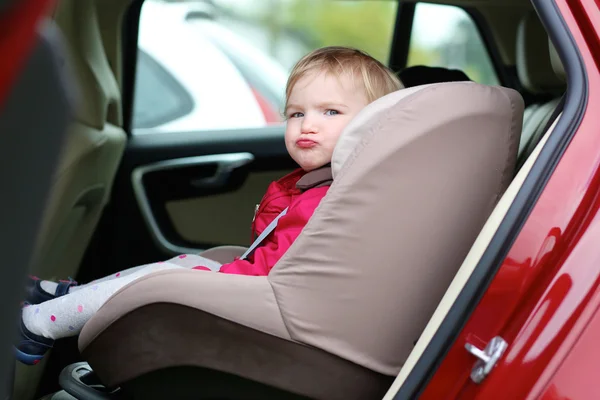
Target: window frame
x,y
130,31
401,36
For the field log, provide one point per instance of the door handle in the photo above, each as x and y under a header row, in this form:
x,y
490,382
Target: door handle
x,y
226,164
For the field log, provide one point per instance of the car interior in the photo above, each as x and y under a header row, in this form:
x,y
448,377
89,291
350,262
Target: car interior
x,y
30,77
308,330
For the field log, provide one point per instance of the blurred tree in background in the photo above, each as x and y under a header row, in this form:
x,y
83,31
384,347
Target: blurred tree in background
x,y
367,25
294,27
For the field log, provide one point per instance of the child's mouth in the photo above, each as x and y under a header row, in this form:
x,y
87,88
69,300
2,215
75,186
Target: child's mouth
x,y
306,143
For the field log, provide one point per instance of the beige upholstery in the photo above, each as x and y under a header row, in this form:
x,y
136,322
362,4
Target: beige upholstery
x,y
485,236
231,323
92,151
469,265
339,313
191,217
533,57
90,156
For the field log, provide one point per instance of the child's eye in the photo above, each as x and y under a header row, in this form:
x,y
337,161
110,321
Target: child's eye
x,y
332,112
296,115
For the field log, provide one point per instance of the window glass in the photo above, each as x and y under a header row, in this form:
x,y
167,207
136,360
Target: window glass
x,y
159,98
446,36
231,58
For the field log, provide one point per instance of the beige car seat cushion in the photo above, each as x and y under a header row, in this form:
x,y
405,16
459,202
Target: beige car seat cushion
x,y
398,220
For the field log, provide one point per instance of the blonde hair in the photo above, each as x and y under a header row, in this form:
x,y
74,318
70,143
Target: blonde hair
x,y
377,79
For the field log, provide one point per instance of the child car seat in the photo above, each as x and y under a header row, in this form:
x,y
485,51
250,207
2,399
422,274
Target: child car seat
x,y
416,174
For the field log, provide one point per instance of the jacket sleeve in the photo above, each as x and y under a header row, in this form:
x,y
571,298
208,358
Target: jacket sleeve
x,y
288,228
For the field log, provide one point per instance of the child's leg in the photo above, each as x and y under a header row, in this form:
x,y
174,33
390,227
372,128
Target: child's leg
x,y
66,315
184,260
50,286
120,274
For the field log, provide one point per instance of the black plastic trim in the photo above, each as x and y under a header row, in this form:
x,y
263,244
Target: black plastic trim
x,y
401,38
263,142
519,211
129,53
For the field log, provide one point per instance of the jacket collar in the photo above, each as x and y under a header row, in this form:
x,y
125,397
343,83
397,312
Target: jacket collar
x,y
316,178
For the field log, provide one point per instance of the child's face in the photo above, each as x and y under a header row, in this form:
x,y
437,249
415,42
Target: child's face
x,y
319,108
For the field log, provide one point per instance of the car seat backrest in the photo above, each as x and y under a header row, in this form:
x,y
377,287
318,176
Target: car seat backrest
x,y
542,73
87,59
94,144
411,191
91,152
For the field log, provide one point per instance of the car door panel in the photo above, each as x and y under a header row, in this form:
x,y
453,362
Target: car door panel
x,y
157,184
195,221
185,192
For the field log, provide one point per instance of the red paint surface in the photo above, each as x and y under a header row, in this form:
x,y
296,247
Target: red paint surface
x,y
543,300
17,36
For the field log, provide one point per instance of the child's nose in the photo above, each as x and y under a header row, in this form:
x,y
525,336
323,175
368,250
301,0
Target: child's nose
x,y
309,126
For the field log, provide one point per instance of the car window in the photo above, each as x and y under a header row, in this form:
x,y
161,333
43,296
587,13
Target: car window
x,y
446,36
231,58
159,98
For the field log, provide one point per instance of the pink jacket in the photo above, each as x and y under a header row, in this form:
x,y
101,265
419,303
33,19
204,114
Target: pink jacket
x,y
301,192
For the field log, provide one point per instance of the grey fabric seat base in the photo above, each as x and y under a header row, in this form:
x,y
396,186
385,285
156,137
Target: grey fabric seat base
x,y
206,342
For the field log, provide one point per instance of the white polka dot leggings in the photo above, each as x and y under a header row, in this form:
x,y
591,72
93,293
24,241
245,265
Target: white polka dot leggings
x,y
65,316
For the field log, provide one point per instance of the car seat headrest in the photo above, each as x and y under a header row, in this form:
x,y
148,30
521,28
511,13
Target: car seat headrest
x,y
534,66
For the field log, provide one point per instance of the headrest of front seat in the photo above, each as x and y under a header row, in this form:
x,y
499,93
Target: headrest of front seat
x,y
534,66
87,60
423,75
